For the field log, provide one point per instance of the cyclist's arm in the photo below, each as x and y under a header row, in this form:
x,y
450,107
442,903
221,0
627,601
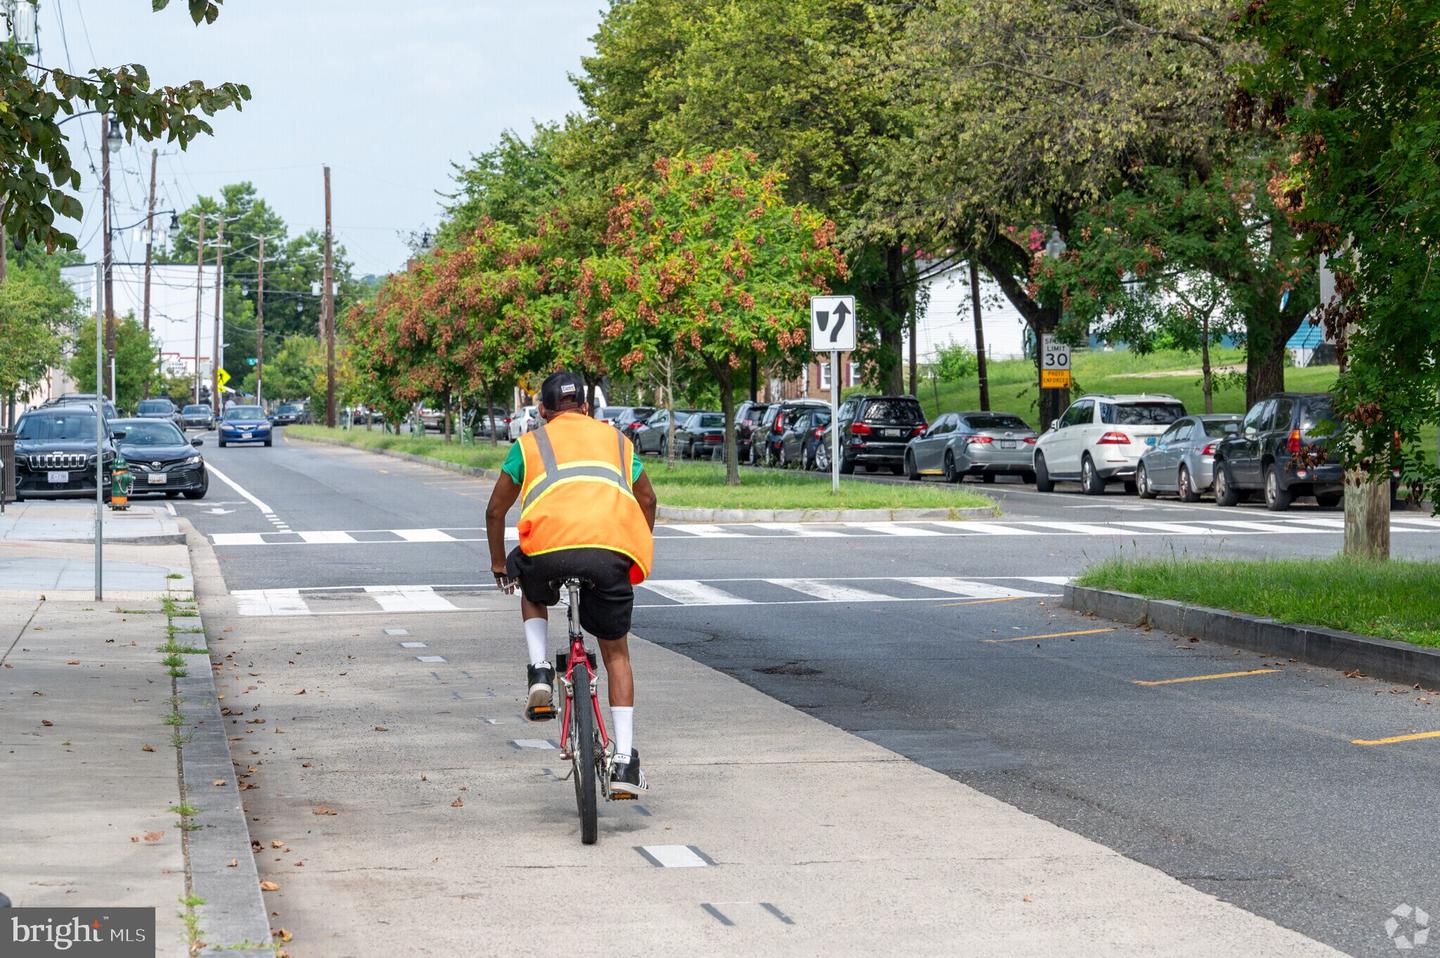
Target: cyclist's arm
x,y
645,495
502,497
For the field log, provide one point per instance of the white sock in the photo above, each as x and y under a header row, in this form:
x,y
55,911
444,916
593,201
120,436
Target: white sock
x,y
623,718
535,638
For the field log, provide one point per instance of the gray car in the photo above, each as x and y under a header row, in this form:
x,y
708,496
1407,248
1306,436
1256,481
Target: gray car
x,y
655,435
984,444
1182,460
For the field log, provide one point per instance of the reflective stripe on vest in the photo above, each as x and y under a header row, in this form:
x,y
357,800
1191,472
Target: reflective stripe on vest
x,y
555,474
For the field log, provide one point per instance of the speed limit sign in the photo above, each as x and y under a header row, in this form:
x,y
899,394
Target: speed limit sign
x,y
1054,363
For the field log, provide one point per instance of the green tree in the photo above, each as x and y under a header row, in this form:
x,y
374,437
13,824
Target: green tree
x,y
297,371
137,360
37,310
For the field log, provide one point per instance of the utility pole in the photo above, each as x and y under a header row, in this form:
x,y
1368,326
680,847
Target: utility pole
x,y
328,312
979,336
215,341
260,328
199,290
149,250
109,286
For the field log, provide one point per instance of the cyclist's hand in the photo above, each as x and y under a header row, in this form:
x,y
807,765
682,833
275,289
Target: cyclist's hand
x,y
504,582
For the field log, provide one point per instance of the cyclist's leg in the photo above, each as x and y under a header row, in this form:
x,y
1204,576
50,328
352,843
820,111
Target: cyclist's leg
x,y
536,594
606,607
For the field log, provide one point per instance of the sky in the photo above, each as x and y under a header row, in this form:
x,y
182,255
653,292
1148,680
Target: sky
x,y
387,93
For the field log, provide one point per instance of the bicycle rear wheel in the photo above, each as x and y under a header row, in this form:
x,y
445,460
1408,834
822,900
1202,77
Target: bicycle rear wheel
x,y
582,752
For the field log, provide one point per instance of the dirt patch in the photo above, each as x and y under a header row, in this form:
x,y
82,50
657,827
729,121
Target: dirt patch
x,y
1166,373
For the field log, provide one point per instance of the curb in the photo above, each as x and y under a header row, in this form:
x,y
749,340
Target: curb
x,y
678,514
233,919
1329,648
159,539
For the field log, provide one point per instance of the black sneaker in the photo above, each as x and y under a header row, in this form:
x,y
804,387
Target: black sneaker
x,y
541,706
626,780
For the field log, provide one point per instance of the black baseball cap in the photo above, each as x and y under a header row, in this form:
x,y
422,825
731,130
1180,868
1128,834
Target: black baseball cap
x,y
562,390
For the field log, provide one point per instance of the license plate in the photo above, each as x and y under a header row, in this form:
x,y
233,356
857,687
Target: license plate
x,y
245,435
157,478
57,478
1007,444
890,433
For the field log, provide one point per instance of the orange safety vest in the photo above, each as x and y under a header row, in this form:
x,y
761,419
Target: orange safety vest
x,y
577,493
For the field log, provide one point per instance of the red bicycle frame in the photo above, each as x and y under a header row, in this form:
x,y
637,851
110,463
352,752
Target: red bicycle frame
x,y
578,654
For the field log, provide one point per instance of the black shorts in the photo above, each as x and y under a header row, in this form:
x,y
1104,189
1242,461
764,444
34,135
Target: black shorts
x,y
605,605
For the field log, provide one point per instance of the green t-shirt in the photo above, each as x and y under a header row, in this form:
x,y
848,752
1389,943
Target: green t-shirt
x,y
514,465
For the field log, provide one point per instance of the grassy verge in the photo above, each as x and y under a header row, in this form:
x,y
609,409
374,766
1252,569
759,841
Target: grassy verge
x,y
694,485
1390,600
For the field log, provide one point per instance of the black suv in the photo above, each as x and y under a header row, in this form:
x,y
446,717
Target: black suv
x,y
748,417
874,431
765,438
55,452
1282,450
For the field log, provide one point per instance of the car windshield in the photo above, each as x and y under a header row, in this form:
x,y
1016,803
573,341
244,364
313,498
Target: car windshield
x,y
195,410
1141,413
905,412
1315,412
65,427
154,405
244,413
996,422
711,420
1217,429
150,434
288,407
754,414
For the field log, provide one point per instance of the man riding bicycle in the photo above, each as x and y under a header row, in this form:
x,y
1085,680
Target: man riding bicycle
x,y
587,511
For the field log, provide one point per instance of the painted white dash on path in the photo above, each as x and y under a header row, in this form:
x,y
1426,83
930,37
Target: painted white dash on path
x,y
803,530
691,592
413,645
408,598
270,602
673,856
827,590
327,538
430,659
532,743
397,631
969,588
239,538
424,535
707,531
984,528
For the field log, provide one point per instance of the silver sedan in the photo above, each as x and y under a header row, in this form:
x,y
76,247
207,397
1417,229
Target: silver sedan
x,y
1182,460
984,444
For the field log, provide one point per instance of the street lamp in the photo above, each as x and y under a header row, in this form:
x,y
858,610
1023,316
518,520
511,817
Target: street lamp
x,y
1052,401
1055,246
114,138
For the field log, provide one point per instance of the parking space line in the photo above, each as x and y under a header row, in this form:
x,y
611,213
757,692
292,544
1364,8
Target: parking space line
x,y
1203,678
1394,739
1050,635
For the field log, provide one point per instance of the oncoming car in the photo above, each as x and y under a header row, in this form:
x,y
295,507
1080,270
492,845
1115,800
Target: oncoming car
x,y
244,424
161,459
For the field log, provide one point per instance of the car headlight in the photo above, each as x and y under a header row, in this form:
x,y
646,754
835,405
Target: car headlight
x,y
194,461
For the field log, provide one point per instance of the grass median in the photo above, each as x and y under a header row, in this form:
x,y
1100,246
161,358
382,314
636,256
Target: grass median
x,y
690,485
1389,600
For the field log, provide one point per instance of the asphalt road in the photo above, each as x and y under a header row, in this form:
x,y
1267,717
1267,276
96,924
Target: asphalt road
x,y
1247,786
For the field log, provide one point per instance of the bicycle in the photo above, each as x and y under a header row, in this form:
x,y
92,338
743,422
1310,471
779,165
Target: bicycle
x,y
583,739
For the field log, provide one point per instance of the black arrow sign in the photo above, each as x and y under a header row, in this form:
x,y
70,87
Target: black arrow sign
x,y
841,312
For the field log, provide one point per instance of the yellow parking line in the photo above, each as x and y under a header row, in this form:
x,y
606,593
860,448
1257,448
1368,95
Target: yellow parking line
x,y
1395,738
1052,635
1003,598
1202,678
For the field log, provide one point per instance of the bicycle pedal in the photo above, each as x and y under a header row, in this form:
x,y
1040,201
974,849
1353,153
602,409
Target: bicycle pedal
x,y
620,796
541,713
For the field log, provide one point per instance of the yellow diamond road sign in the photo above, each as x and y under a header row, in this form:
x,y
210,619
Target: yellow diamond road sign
x,y
222,377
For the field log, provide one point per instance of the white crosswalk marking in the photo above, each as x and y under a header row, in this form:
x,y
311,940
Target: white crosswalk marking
x,y
327,538
424,535
803,530
895,529
690,592
828,590
1270,527
706,531
984,528
1317,521
1084,528
970,588
239,538
270,602
409,598
1175,528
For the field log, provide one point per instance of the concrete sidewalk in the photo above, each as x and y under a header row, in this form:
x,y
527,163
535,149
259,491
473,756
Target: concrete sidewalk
x,y
404,807
89,766
73,520
48,548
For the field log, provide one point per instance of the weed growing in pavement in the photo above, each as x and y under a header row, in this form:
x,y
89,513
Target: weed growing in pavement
x,y
173,719
180,741
192,921
174,575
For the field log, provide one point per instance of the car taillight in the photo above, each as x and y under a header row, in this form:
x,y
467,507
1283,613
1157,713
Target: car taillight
x,y
978,440
859,429
819,432
918,429
1293,446
714,438
1029,440
1113,439
1209,450
633,425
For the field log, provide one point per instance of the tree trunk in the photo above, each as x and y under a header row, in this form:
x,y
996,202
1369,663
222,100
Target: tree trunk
x,y
980,360
1207,378
723,376
669,416
1264,365
490,412
1367,516
1007,265
914,350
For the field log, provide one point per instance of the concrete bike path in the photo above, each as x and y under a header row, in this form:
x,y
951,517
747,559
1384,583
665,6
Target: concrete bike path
x,y
413,816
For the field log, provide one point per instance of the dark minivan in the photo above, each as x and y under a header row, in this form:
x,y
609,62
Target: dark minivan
x,y
1282,451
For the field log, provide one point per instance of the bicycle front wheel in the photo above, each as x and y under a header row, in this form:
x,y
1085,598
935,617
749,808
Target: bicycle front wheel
x,y
582,753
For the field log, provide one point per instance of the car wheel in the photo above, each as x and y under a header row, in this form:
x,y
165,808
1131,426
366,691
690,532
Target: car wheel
x,y
783,459
663,446
1330,500
1143,488
1043,482
847,466
822,457
1225,494
951,473
1277,499
1186,486
911,472
222,443
1090,482
199,493
267,443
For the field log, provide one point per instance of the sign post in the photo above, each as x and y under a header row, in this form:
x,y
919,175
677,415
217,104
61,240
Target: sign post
x,y
1054,364
832,330
100,426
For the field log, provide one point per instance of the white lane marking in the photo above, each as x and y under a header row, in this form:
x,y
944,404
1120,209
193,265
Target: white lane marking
x,y
969,588
895,529
1317,521
238,538
237,487
408,598
829,591
423,535
1272,528
706,531
270,602
327,538
1084,528
430,658
532,743
984,528
691,592
1047,579
673,856
1175,528
412,645
1416,521
801,530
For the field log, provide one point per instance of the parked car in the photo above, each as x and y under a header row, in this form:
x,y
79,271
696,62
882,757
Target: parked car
x,y
525,420
55,452
748,417
290,413
161,459
984,444
629,419
160,409
1282,450
765,439
1100,439
198,416
1183,458
493,422
802,433
875,431
700,434
87,398
653,435
244,424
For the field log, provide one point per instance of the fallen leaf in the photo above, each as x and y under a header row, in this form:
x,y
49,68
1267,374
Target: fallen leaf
x,y
381,728
305,764
276,843
457,804
218,782
47,723
72,662
423,778
254,721
147,748
301,692
134,838
269,886
1028,898
322,810
233,863
154,836
282,934
255,845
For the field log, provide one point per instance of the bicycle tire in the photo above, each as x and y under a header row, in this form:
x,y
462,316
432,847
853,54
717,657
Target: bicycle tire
x,y
582,752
